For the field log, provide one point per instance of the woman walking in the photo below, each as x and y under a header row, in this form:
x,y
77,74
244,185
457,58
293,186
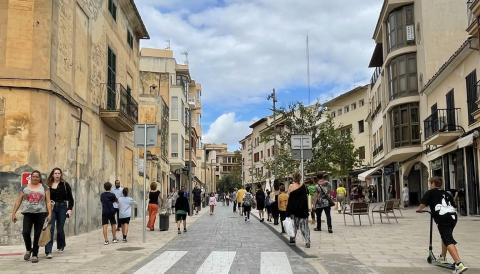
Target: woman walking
x,y
322,203
125,212
282,205
182,208
297,208
260,199
212,202
247,203
153,202
268,206
62,200
341,195
35,201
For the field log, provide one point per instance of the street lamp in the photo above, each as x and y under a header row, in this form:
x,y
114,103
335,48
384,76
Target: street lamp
x,y
212,178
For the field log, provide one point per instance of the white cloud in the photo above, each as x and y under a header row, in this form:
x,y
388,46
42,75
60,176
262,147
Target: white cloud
x,y
240,49
227,129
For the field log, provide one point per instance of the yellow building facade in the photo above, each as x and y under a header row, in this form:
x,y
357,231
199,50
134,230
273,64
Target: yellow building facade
x,y
69,83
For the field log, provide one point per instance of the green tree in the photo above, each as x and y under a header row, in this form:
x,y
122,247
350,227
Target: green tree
x,y
333,150
228,182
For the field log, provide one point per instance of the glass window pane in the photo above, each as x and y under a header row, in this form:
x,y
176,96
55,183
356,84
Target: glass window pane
x,y
412,83
404,116
402,65
403,84
414,115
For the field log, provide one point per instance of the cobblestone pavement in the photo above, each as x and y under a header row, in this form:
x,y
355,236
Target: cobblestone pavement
x,y
227,244
86,253
387,248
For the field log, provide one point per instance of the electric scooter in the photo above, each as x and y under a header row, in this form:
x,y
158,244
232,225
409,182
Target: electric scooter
x,y
431,259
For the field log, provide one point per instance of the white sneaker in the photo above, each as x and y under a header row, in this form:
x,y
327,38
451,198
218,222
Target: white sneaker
x,y
460,268
49,256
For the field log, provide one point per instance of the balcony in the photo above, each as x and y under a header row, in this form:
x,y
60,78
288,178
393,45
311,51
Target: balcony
x,y
442,127
118,109
376,74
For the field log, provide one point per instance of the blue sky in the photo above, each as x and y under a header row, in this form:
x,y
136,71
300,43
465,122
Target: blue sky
x,y
240,49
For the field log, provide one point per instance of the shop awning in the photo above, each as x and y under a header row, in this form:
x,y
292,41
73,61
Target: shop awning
x,y
363,176
460,143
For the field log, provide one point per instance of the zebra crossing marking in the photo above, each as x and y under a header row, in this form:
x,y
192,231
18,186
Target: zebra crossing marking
x,y
162,263
274,263
218,262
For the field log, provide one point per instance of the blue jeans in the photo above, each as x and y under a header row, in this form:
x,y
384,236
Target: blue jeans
x,y
59,215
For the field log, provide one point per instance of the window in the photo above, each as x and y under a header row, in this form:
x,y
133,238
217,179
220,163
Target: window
x,y
183,111
405,125
339,112
402,76
353,106
273,151
400,28
256,157
130,39
261,154
112,8
361,102
174,108
333,114
346,109
268,152
111,79
361,128
345,131
471,82
361,153
174,145
182,148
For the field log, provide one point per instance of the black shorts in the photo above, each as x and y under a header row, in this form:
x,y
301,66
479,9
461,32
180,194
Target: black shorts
x,y
180,217
196,203
109,218
445,228
247,208
122,221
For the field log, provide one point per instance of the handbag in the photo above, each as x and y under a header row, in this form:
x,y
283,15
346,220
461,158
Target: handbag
x,y
45,235
288,226
328,198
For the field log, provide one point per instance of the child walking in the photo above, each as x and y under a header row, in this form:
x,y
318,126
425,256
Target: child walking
x,y
442,208
212,202
108,212
125,212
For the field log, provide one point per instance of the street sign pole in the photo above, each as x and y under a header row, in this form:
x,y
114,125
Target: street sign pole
x,y
144,182
301,157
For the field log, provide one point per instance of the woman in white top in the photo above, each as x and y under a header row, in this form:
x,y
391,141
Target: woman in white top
x,y
125,212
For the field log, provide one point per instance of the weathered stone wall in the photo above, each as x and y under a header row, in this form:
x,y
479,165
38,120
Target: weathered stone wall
x,y
64,52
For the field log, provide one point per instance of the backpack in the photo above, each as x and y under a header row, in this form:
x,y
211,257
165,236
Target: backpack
x,y
247,201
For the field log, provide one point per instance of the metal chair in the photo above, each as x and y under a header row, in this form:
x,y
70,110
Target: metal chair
x,y
356,208
386,208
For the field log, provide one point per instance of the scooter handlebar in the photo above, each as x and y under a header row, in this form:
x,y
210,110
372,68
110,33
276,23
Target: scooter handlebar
x,y
424,211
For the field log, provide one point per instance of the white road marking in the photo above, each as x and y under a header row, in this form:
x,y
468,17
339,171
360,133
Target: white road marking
x,y
162,263
274,263
218,262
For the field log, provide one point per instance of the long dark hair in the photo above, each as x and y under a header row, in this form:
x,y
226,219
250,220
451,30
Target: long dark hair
x,y
50,177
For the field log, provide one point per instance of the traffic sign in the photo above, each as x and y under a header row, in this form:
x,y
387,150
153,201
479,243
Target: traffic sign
x,y
26,177
301,141
152,133
297,154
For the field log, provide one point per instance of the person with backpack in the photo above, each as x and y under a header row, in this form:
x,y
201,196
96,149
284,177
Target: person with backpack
x,y
260,199
125,212
247,203
107,199
182,208
282,205
442,208
322,203
268,206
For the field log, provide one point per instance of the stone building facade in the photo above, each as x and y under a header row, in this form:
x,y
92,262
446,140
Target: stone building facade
x,y
69,82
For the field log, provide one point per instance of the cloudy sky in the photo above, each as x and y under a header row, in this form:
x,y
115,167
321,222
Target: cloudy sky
x,y
240,49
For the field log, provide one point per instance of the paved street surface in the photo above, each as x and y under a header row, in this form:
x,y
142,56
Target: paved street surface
x,y
224,243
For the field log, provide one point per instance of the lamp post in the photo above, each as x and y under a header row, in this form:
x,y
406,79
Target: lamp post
x,y
212,178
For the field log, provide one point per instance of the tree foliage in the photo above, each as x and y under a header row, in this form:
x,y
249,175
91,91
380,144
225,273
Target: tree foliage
x,y
228,182
333,150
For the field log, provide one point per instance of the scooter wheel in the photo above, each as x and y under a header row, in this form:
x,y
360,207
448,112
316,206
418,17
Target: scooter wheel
x,y
429,259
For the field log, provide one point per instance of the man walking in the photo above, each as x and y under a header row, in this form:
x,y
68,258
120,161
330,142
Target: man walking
x,y
240,195
118,191
234,199
197,199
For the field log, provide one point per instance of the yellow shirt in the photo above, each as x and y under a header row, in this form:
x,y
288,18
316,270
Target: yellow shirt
x,y
240,195
341,191
282,201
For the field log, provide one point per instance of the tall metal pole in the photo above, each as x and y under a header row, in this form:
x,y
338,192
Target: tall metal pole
x,y
144,181
301,158
273,96
308,71
190,178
